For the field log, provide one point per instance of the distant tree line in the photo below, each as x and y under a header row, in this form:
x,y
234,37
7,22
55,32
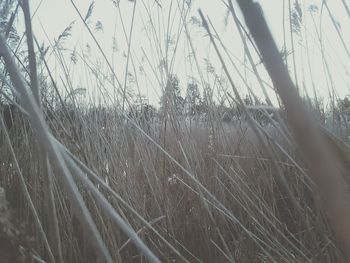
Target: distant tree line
x,y
194,105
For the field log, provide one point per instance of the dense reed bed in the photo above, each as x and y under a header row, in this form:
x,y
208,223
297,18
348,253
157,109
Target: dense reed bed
x,y
213,176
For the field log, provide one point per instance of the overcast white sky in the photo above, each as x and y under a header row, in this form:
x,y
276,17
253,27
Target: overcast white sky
x,y
147,52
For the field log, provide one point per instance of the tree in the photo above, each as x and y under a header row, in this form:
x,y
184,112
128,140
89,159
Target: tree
x,y
343,109
142,113
193,99
171,98
344,104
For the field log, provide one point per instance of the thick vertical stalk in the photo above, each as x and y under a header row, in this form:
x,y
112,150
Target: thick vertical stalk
x,y
31,54
53,213
326,168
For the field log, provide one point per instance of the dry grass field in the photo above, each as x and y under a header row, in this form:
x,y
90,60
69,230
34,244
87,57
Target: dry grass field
x,y
191,180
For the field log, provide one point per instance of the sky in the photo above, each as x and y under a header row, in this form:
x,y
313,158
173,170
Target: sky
x,y
154,24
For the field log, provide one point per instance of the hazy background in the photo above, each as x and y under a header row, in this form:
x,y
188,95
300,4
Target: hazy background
x,y
108,22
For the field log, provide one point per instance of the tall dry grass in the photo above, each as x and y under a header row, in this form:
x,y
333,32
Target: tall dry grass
x,y
101,185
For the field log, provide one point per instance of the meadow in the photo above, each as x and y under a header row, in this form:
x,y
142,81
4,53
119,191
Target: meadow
x,y
210,174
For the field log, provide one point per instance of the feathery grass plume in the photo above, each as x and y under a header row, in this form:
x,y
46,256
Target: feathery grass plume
x,y
89,12
67,32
